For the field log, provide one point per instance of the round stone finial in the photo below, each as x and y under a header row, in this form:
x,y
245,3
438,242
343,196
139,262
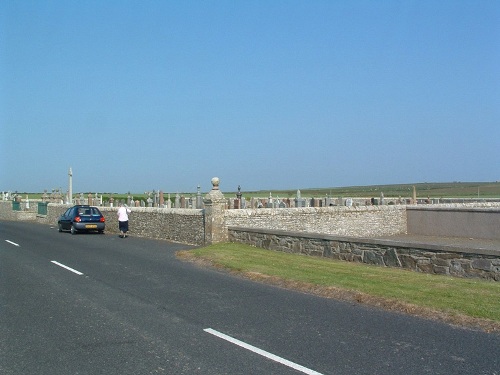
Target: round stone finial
x,y
215,183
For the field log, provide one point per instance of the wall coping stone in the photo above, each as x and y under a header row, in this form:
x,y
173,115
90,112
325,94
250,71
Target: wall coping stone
x,y
455,209
179,211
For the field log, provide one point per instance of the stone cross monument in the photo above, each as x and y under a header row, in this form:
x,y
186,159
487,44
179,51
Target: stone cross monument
x,y
70,191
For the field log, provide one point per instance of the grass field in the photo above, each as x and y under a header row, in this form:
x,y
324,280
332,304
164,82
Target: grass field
x,y
466,302
432,190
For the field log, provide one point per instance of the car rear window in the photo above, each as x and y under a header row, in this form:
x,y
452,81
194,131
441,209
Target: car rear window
x,y
83,210
94,211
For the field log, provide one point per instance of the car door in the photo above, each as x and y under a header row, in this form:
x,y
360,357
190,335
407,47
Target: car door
x,y
66,219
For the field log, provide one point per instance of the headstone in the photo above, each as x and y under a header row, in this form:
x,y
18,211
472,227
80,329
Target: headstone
x,y
199,198
238,194
298,199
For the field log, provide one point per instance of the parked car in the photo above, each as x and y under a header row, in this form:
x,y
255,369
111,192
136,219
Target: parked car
x,y
82,218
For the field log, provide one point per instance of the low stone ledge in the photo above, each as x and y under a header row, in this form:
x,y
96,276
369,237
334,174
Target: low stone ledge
x,y
420,257
374,241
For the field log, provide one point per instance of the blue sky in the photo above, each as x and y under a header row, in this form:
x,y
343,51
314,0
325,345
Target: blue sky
x,y
142,95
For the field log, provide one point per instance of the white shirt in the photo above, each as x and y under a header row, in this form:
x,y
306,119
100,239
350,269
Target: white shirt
x,y
123,213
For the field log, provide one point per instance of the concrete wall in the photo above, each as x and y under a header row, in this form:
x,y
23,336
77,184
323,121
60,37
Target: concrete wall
x,y
472,222
446,261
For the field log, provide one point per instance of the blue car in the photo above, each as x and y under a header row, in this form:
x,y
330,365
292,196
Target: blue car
x,y
81,218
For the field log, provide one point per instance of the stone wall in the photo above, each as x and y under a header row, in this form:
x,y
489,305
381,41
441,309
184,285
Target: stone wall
x,y
178,225
363,221
338,232
483,264
7,213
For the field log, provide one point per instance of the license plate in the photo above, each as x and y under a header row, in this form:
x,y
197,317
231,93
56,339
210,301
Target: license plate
x,y
90,226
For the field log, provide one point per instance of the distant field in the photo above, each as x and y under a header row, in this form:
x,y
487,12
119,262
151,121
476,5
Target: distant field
x,y
432,190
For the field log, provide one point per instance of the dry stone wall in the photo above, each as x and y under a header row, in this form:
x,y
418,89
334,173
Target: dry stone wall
x,y
178,225
445,261
366,221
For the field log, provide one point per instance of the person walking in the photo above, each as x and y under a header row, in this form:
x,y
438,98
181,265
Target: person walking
x,y
123,212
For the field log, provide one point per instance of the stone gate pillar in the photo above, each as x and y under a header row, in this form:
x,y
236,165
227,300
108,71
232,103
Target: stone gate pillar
x,y
215,206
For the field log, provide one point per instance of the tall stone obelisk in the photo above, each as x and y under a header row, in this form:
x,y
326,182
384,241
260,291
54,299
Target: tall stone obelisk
x,y
70,191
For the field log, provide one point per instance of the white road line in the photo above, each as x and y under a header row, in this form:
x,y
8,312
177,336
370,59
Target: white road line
x,y
66,267
12,243
263,353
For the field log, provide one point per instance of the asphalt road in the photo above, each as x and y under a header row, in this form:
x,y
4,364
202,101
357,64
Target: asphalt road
x,y
99,304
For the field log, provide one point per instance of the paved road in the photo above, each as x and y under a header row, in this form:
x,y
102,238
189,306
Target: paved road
x,y
98,304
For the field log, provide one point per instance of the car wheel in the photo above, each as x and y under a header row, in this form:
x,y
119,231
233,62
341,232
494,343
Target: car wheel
x,y
60,227
73,230
100,231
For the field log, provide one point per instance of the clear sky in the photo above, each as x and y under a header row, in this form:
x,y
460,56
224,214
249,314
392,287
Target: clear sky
x,y
143,95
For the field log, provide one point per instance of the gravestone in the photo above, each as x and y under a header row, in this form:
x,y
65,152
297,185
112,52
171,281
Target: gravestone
x,y
199,198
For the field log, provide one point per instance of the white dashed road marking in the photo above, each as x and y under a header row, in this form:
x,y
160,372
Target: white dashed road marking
x,y
66,267
263,353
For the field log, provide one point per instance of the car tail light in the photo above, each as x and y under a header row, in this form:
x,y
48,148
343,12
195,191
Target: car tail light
x,y
78,219
102,219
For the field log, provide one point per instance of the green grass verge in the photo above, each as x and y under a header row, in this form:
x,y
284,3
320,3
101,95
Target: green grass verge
x,y
454,296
